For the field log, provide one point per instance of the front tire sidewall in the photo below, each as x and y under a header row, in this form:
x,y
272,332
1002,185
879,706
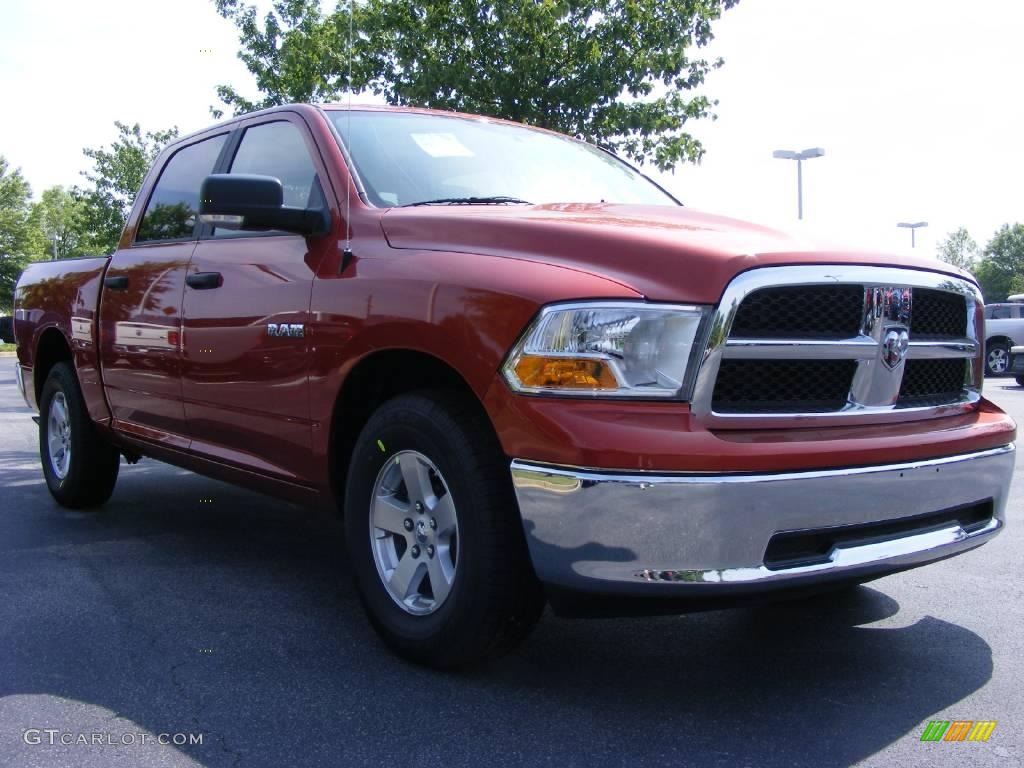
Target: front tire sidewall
x,y
367,462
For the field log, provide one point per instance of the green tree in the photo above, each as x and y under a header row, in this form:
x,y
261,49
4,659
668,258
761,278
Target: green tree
x,y
61,216
958,249
117,174
620,73
1002,263
20,236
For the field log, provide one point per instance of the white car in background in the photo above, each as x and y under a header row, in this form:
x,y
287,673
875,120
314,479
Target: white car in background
x,y
1004,329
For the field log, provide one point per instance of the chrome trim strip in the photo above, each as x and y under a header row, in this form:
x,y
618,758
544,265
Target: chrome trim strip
x,y
850,416
857,348
594,530
935,350
883,408
650,478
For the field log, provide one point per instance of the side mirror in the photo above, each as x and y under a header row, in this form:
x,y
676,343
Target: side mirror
x,y
249,202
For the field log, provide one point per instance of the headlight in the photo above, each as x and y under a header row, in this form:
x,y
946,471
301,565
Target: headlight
x,y
616,349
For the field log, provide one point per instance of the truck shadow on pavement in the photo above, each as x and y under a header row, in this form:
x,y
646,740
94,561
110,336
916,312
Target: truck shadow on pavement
x,y
186,605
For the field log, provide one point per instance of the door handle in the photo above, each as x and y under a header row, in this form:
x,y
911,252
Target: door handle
x,y
203,281
116,283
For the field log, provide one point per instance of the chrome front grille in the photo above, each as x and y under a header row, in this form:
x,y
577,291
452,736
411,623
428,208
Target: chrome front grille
x,y
831,344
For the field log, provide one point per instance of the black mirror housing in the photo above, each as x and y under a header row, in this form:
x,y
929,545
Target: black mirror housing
x,y
251,202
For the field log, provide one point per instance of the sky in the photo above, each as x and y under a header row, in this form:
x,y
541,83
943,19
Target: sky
x,y
915,102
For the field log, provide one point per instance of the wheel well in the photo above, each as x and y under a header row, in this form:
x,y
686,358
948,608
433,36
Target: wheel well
x,y
376,379
53,348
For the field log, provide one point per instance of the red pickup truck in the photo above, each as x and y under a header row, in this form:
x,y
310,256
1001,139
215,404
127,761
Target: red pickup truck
x,y
520,370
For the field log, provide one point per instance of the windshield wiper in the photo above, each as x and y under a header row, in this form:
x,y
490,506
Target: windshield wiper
x,y
492,200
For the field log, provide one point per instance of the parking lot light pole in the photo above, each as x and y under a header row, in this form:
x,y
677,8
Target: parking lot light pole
x,y
807,154
912,226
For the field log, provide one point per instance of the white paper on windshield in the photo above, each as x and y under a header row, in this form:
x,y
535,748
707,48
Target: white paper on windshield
x,y
441,145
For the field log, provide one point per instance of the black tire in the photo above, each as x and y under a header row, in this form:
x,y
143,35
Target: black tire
x,y
997,351
495,598
1020,381
93,464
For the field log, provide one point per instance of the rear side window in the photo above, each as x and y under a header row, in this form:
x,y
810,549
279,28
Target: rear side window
x,y
173,208
278,149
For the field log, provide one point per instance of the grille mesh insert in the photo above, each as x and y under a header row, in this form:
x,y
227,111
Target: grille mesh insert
x,y
782,386
938,315
801,312
932,382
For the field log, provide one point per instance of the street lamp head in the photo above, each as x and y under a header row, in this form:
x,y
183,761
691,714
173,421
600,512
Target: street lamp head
x,y
912,225
807,154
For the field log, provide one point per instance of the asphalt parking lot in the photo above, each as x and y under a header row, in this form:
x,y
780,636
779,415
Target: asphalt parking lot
x,y
234,618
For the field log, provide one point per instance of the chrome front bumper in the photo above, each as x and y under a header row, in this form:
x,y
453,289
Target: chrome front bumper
x,y
697,534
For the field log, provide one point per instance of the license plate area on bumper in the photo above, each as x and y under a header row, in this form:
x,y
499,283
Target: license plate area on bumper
x,y
792,549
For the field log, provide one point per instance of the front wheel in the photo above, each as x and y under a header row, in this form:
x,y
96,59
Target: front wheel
x,y
434,535
80,467
997,358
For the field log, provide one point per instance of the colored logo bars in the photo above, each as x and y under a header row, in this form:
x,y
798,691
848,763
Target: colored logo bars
x,y
958,730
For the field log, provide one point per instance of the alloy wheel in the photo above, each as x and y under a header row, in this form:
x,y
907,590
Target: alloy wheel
x,y
414,533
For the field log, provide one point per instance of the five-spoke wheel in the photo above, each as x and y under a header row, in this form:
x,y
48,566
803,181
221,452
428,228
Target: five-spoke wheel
x,y
414,532
58,438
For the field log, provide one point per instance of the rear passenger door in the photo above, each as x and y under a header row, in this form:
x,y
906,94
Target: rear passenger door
x,y
140,306
246,391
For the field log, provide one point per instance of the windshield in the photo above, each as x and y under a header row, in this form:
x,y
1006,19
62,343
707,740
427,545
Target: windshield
x,y
407,158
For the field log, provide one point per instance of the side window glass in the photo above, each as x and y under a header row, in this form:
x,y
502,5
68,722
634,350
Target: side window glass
x,y
173,207
278,150
1000,313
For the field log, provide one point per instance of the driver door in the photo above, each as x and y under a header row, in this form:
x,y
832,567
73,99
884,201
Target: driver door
x,y
245,386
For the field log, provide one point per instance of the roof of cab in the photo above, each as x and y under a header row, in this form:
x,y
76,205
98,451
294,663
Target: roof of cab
x,y
313,109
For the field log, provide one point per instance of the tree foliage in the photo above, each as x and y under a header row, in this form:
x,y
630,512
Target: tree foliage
x,y
61,217
20,234
1001,268
621,73
116,176
958,249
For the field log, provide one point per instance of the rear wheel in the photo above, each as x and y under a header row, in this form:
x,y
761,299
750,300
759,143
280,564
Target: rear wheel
x,y
434,535
80,467
997,358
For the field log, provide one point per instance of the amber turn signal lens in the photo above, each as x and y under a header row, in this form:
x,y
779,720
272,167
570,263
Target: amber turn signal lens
x,y
564,373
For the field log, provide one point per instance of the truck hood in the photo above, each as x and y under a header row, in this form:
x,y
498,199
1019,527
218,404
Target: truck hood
x,y
664,253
